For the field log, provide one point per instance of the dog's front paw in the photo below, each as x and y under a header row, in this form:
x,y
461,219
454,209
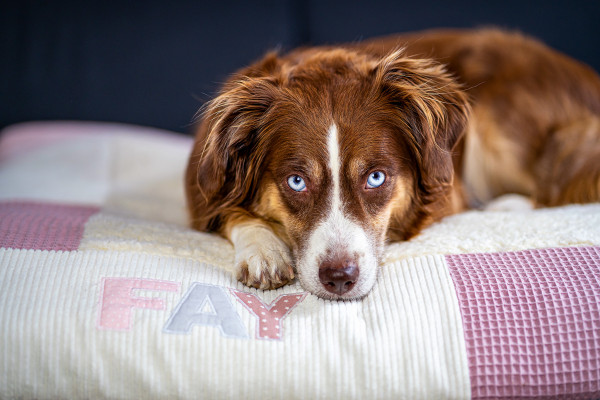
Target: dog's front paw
x,y
262,260
265,269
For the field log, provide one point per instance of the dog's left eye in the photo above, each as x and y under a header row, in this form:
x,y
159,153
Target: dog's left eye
x,y
296,182
375,179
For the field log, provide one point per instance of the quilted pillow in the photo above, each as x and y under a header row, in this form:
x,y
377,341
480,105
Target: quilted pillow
x,y
106,293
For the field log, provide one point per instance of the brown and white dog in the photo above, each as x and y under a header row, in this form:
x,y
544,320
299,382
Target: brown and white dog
x,y
309,162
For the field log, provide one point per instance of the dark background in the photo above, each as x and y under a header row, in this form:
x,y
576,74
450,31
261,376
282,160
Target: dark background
x,y
156,62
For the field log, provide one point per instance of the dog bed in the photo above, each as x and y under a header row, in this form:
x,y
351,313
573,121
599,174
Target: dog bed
x,y
106,293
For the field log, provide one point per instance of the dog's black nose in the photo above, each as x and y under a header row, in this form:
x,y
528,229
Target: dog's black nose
x,y
338,278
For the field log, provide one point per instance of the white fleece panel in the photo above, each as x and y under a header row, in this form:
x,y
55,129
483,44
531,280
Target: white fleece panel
x,y
504,228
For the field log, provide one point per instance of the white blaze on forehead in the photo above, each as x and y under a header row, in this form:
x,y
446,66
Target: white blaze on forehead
x,y
333,148
337,235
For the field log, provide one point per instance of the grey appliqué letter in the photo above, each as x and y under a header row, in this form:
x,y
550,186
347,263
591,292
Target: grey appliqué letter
x,y
191,311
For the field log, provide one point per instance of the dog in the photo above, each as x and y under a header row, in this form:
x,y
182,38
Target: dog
x,y
309,162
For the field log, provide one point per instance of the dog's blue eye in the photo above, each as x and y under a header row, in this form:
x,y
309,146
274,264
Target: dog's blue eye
x,y
296,183
375,180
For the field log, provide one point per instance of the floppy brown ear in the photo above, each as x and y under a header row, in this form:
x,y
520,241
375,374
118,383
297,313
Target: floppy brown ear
x,y
227,157
432,113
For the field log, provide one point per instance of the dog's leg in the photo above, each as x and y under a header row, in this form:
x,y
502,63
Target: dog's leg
x,y
569,166
262,259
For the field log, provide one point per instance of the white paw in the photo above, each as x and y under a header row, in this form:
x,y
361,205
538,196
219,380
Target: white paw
x,y
262,260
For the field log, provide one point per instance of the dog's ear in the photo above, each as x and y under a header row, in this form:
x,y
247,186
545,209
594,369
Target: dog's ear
x,y
432,113
231,145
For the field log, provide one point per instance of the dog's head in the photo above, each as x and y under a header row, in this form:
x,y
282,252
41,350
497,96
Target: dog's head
x,y
337,150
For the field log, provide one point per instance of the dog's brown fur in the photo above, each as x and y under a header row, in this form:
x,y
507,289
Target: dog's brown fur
x,y
530,101
459,116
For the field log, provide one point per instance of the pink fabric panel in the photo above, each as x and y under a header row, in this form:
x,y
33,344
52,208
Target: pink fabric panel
x,y
531,321
40,226
14,144
25,137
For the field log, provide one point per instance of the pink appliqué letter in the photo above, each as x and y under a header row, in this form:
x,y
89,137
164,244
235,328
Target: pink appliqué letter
x,y
117,300
269,316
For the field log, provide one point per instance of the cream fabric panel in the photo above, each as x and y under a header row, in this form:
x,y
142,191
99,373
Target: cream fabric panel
x,y
404,340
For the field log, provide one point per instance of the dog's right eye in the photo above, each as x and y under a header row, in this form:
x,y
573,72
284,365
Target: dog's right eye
x,y
296,183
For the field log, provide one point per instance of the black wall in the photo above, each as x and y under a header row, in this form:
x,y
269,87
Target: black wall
x,y
155,62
